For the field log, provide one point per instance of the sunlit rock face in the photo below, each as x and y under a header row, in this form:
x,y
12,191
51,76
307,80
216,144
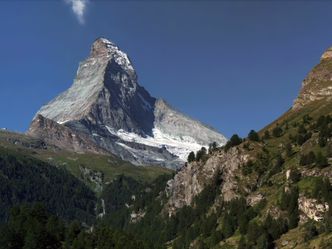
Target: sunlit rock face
x,y
194,177
318,84
107,104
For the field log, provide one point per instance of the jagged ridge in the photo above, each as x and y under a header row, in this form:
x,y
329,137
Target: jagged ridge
x,y
107,104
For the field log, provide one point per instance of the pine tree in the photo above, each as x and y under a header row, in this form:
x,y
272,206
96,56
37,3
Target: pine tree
x,y
267,135
277,131
263,241
242,243
289,150
200,155
191,157
321,160
253,136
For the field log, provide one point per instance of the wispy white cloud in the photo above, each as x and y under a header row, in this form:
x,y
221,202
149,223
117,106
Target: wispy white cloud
x,y
78,7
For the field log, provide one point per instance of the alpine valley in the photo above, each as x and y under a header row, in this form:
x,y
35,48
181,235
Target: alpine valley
x,y
105,165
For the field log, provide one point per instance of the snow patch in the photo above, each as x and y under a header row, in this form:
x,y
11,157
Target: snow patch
x,y
179,146
63,121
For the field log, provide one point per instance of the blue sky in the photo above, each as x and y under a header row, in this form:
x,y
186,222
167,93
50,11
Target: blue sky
x,y
235,66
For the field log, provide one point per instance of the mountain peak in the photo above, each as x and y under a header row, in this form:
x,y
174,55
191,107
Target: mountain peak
x,y
107,106
327,54
317,85
102,47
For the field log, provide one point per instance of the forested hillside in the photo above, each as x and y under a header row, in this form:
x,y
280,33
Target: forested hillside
x,y
27,180
282,198
33,227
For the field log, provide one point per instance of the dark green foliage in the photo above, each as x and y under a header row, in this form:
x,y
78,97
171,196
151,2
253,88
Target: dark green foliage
x,y
188,223
310,231
289,150
121,189
254,231
236,215
302,133
212,147
27,180
228,225
263,163
266,135
120,192
243,223
253,136
275,227
191,157
201,154
29,228
306,119
322,141
277,131
247,168
321,189
289,202
242,243
279,161
302,138
294,176
321,160
262,235
301,129
264,241
307,159
234,141
33,228
324,126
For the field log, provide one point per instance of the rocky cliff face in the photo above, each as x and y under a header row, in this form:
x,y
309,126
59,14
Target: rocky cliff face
x,y
62,136
318,84
107,104
311,209
193,178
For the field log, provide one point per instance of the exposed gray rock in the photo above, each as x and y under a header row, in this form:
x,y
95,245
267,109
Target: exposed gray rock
x,y
107,104
318,84
327,54
254,199
137,216
94,177
62,136
193,178
311,209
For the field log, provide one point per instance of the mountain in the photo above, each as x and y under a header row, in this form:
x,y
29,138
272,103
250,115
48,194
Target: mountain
x,y
317,85
106,110
272,189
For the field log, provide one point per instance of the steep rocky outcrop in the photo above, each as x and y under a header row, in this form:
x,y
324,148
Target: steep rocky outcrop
x,y
194,177
62,136
318,84
107,104
311,209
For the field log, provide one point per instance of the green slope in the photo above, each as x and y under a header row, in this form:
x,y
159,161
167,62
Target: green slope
x,y
108,166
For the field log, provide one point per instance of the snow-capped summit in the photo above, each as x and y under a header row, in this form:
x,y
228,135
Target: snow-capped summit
x,y
103,48
106,104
